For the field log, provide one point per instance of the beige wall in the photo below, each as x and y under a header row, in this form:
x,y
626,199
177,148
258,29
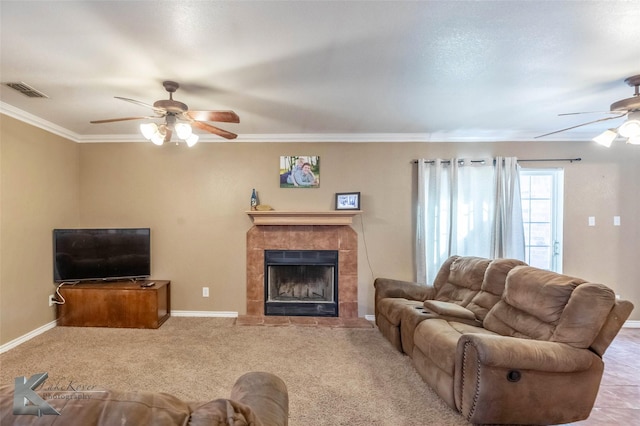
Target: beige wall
x,y
194,200
39,191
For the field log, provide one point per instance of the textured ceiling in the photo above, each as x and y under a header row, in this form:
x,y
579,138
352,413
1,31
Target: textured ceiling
x,y
327,70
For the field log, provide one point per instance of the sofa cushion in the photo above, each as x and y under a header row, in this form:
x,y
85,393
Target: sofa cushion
x,y
463,281
493,283
545,305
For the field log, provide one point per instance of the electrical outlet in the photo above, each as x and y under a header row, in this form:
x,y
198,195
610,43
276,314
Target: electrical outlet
x,y
205,291
51,300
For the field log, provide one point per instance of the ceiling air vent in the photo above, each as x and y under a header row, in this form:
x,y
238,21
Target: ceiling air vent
x,y
26,90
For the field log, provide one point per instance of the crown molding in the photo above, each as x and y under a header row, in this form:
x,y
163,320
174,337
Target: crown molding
x,y
38,122
466,135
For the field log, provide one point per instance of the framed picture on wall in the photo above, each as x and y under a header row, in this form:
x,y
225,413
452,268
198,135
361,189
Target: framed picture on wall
x,y
348,201
300,171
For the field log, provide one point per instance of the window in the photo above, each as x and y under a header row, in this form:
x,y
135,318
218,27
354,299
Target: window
x,y
542,195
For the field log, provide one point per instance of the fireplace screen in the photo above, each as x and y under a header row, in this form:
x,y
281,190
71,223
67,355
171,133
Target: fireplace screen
x,y
301,282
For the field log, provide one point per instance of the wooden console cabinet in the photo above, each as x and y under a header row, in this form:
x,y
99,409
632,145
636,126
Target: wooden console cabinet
x,y
123,304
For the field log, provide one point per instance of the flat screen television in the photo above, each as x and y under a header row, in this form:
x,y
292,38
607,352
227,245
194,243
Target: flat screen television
x,y
101,254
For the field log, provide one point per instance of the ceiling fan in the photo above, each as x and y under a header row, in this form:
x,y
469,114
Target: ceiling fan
x,y
629,107
178,118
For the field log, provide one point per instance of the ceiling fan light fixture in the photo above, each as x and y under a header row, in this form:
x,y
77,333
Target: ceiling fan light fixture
x,y
634,140
192,139
159,136
157,139
606,138
631,127
183,130
148,130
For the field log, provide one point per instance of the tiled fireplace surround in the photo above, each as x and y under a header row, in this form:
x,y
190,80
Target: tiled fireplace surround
x,y
341,238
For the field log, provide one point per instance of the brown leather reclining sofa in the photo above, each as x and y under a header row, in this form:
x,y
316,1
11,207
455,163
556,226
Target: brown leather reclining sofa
x,y
502,342
257,399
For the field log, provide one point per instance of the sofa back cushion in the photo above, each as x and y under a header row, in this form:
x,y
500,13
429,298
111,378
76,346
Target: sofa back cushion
x,y
544,305
495,278
460,278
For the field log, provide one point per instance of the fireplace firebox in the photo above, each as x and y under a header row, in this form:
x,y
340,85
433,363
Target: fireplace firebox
x,y
301,283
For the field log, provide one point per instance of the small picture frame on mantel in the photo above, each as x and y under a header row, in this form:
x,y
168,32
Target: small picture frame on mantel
x,y
348,201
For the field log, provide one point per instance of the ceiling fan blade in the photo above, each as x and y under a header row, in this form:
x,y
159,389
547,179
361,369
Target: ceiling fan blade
x,y
215,130
223,116
580,125
111,120
590,112
157,110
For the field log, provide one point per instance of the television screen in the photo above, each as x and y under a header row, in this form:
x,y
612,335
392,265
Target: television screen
x,y
101,254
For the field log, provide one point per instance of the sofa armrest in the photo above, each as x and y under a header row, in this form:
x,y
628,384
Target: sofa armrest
x,y
498,378
615,320
386,287
449,310
266,394
525,354
257,399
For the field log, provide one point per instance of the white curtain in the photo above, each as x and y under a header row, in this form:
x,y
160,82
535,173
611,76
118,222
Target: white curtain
x,y
507,235
454,213
421,229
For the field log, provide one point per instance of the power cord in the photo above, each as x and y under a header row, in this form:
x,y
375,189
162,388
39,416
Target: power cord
x,y
59,299
366,249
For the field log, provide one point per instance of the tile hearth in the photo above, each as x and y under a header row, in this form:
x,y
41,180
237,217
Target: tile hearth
x,y
275,321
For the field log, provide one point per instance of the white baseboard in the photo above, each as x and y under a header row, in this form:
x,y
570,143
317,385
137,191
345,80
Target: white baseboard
x,y
370,318
207,314
631,324
20,340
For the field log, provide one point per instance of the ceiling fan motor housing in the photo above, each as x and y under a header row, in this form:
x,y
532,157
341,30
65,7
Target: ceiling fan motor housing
x,y
171,106
629,104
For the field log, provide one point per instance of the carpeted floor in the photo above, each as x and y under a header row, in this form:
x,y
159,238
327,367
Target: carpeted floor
x,y
335,376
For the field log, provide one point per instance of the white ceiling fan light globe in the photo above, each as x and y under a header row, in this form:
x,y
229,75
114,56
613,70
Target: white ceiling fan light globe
x,y
631,127
183,130
634,140
157,138
606,138
148,130
192,140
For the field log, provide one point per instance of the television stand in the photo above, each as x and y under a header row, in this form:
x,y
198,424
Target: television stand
x,y
119,304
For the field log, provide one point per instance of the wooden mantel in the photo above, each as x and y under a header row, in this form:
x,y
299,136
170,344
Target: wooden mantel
x,y
284,217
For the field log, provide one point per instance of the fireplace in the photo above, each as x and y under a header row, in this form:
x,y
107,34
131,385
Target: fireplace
x,y
341,239
301,283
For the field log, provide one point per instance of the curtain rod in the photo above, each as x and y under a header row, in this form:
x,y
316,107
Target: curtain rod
x,y
449,161
571,160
